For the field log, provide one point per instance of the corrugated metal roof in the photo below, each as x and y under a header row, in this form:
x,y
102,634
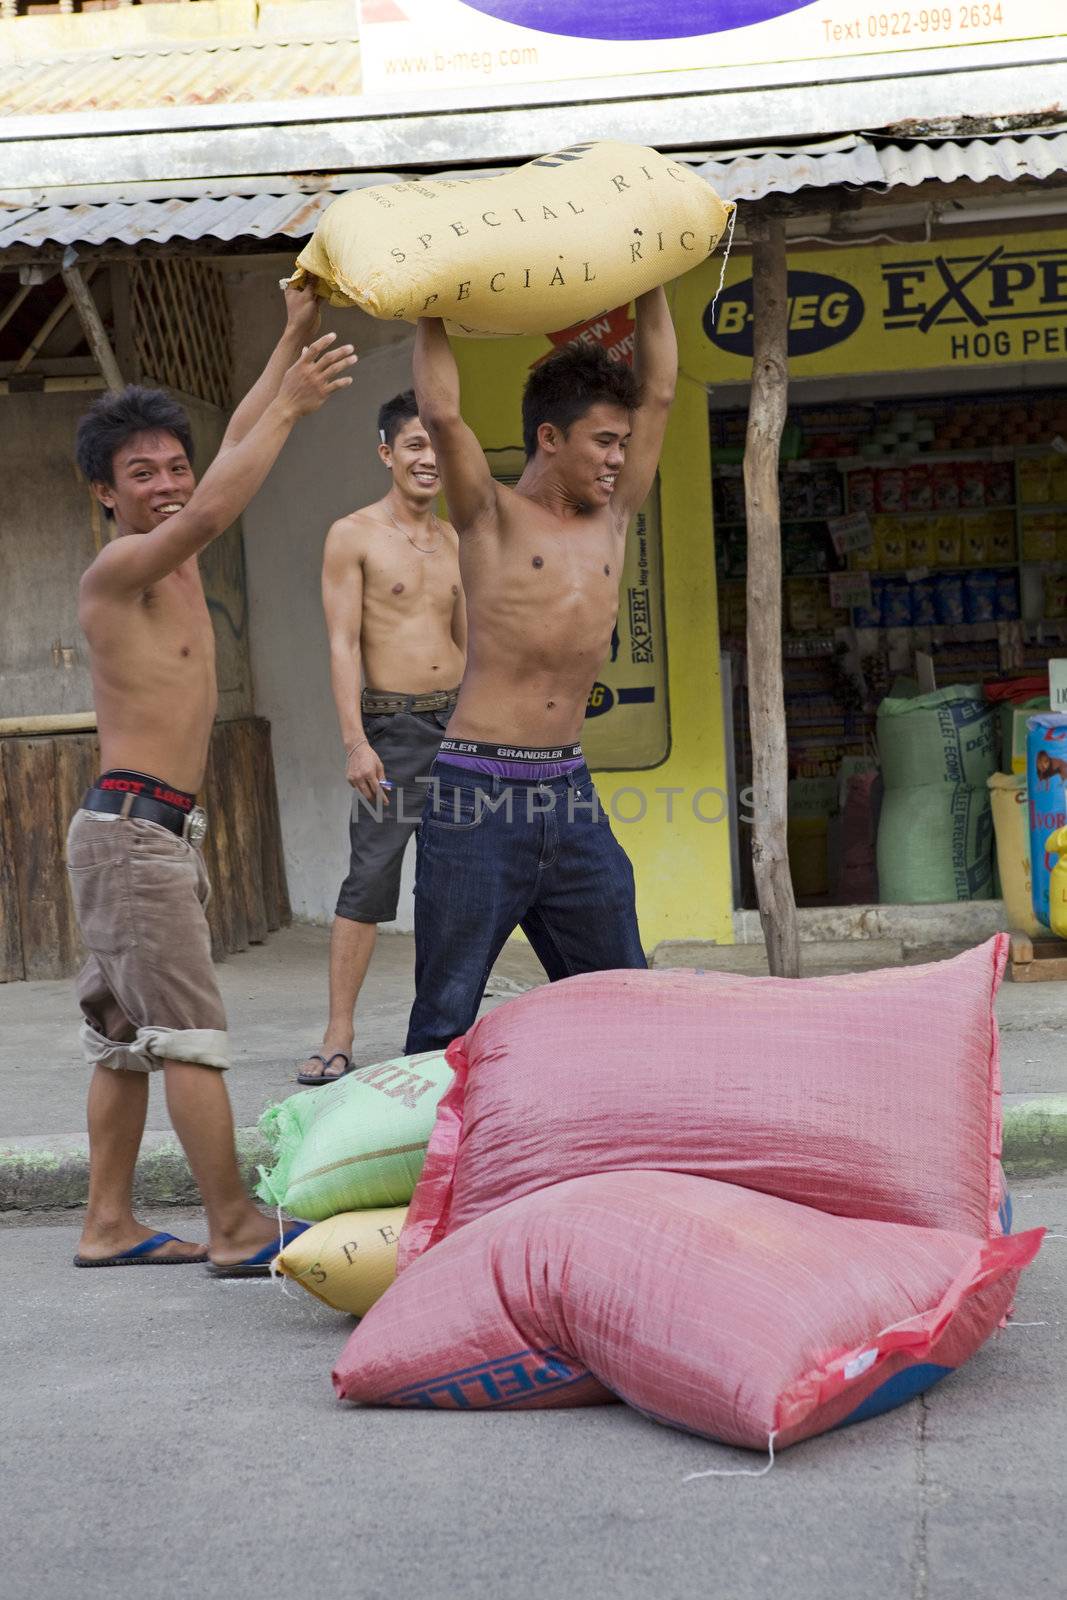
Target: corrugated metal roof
x,y
261,216
737,175
198,75
1035,156
751,174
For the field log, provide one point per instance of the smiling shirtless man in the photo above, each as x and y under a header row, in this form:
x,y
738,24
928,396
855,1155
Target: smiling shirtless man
x,y
512,834
148,993
395,618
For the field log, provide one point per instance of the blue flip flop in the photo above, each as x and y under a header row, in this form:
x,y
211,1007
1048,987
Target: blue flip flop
x,y
139,1255
258,1266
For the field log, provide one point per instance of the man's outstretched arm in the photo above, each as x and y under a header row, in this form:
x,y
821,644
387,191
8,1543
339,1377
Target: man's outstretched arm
x,y
469,487
656,369
301,328
126,565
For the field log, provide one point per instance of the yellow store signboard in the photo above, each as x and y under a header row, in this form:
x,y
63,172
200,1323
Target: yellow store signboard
x,y
889,308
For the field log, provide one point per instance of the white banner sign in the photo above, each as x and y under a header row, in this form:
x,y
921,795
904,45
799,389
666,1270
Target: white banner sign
x,y
424,45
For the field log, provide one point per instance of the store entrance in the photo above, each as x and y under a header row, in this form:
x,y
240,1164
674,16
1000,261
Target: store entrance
x,y
924,549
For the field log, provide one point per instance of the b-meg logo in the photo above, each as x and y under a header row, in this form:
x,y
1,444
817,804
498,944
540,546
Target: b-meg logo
x,y
823,311
635,19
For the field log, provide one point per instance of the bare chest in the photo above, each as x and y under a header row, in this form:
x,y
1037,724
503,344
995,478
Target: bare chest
x,y
410,580
552,574
174,615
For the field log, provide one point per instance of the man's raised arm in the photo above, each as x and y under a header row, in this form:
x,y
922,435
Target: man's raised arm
x,y
230,482
469,487
301,327
656,369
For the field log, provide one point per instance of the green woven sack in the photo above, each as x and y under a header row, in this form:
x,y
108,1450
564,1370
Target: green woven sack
x,y
947,737
356,1143
935,844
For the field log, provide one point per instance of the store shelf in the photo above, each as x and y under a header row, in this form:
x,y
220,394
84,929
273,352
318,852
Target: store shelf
x,y
940,511
996,452
740,523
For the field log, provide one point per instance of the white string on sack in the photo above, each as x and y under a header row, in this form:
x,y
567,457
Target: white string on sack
x,y
1014,1324
722,270
276,1272
737,1472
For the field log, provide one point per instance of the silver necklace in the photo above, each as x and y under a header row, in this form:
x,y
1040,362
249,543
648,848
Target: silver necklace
x,y
435,527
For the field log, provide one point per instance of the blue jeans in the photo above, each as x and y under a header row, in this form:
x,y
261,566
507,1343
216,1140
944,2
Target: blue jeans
x,y
496,854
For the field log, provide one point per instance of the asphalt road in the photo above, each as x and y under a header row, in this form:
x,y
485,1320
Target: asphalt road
x,y
165,1434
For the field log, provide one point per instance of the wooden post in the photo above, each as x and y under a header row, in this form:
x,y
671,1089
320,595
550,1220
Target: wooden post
x,y
90,319
766,699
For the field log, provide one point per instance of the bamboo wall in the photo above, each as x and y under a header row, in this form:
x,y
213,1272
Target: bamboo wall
x,y
42,781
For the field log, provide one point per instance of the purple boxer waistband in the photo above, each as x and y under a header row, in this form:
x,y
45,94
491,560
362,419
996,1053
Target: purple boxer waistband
x,y
520,763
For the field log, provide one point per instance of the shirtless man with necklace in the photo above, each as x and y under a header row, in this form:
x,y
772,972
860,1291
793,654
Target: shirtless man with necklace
x,y
394,614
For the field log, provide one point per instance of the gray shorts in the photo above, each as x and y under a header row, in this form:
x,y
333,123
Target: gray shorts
x,y
406,743
148,992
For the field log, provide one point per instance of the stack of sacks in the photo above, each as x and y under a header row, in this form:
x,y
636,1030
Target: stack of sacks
x,y
347,1157
752,1208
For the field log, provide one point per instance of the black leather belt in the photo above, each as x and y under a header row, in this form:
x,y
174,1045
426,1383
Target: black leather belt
x,y
191,825
384,705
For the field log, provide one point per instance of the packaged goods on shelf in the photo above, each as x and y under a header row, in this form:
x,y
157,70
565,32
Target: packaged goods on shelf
x,y
945,485
920,544
918,488
1056,594
923,604
1034,480
1007,596
979,596
1039,536
948,540
861,492
999,483
971,476
948,598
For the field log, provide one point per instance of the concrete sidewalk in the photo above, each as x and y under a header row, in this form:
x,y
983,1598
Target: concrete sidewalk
x,y
275,997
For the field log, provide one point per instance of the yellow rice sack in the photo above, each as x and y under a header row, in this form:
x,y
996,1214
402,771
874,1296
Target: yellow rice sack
x,y
1011,825
534,250
349,1260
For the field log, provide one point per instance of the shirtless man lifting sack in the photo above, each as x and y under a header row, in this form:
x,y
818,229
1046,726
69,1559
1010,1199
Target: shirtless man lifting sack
x,y
148,992
395,618
512,833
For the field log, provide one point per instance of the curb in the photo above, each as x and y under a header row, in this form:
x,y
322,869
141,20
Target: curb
x,y
53,1174
1035,1135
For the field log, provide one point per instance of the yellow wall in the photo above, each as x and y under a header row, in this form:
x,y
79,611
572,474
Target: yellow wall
x,y
682,867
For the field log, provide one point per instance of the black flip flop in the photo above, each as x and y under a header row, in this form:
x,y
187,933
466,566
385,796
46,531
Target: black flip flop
x,y
314,1080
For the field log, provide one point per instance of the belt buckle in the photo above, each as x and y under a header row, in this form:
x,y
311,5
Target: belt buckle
x,y
194,829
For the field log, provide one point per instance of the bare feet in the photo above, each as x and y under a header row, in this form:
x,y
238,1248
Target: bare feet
x,y
102,1243
328,1064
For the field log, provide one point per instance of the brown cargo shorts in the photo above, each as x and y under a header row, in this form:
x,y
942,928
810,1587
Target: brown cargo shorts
x,y
147,992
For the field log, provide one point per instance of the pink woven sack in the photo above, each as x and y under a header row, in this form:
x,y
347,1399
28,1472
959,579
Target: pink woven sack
x,y
875,1094
728,1313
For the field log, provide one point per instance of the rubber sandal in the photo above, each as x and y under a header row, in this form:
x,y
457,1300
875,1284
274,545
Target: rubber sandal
x,y
258,1266
139,1255
315,1080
